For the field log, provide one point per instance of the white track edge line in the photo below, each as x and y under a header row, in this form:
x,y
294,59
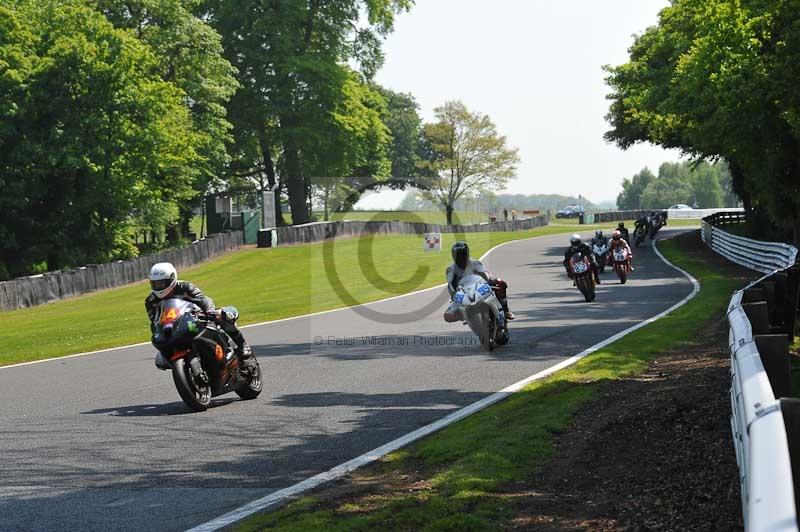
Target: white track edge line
x,y
269,322
339,471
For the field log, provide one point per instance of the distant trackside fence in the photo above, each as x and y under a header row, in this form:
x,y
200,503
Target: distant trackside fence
x,y
765,420
35,290
319,231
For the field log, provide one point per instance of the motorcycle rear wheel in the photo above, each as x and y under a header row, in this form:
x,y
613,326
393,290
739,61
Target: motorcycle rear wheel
x,y
196,397
251,388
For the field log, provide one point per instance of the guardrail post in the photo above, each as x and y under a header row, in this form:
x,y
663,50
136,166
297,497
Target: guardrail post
x,y
758,314
774,351
790,408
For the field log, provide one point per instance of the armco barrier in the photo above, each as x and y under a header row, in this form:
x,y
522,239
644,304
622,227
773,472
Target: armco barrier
x,y
35,290
675,214
759,336
319,231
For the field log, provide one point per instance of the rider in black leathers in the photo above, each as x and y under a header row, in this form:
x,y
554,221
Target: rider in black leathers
x,y
624,231
577,245
187,291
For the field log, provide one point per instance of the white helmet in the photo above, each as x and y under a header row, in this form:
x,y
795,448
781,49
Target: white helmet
x,y
575,239
163,279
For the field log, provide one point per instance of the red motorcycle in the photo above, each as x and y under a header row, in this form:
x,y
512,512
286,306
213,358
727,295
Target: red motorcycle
x,y
622,265
582,273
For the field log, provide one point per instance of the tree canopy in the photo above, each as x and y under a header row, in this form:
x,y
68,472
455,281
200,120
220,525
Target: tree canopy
x,y
700,184
717,79
90,132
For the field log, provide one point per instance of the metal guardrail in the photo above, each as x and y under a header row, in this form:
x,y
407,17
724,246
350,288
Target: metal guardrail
x,y
759,432
700,213
758,425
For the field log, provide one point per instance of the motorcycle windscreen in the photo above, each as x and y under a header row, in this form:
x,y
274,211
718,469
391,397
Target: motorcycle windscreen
x,y
171,310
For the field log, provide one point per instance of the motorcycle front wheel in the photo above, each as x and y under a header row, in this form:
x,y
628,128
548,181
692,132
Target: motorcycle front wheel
x,y
195,396
487,338
251,388
504,337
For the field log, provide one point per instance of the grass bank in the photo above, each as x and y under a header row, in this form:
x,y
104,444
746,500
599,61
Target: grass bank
x,y
264,284
461,474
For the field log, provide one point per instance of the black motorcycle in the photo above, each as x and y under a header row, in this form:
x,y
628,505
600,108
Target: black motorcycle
x,y
201,355
638,235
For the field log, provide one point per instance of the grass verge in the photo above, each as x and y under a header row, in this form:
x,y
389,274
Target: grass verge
x,y
459,474
264,284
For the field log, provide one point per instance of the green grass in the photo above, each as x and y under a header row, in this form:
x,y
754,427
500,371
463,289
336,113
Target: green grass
x,y
264,284
468,464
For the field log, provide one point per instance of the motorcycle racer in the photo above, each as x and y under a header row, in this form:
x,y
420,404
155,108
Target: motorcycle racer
x,y
462,266
599,238
577,245
618,242
164,284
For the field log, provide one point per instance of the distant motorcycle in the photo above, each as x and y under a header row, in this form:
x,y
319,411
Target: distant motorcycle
x,y
621,266
482,310
600,253
655,226
638,235
581,268
201,355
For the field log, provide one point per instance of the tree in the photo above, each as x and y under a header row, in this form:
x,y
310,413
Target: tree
x,y
630,198
717,79
467,156
668,188
351,152
190,55
706,188
405,125
290,56
88,132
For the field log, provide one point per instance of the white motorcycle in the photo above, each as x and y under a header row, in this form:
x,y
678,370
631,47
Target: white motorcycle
x,y
482,310
600,253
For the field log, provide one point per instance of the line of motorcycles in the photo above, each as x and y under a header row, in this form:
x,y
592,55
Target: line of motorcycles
x,y
648,226
581,267
204,364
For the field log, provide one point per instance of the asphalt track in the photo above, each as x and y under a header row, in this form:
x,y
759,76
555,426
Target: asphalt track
x,y
102,442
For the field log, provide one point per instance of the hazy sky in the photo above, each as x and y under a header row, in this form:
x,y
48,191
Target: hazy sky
x,y
534,66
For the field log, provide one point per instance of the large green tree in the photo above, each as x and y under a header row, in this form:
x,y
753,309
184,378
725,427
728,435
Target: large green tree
x,y
290,55
190,55
405,125
717,79
466,155
631,196
89,131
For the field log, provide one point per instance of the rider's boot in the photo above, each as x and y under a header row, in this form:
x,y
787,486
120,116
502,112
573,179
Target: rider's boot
x,y
246,355
161,362
509,315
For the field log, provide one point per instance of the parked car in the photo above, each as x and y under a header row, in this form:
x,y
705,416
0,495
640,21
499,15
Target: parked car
x,y
570,211
679,207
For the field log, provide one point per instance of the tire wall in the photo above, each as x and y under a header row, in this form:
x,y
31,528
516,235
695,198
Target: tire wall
x,y
25,292
319,231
